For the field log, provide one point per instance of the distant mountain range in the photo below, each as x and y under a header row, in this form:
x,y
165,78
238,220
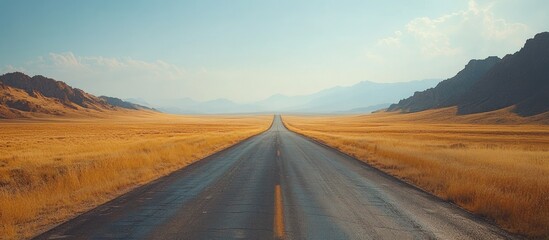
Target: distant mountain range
x,y
190,106
25,96
363,97
124,104
519,81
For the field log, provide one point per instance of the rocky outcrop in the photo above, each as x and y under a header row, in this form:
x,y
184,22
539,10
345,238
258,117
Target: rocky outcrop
x,y
21,94
448,92
519,80
124,104
51,88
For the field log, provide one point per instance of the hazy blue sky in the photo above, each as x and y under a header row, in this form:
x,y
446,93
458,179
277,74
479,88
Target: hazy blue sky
x,y
248,50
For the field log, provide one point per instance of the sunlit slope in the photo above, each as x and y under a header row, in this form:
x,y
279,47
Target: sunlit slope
x,y
504,116
22,96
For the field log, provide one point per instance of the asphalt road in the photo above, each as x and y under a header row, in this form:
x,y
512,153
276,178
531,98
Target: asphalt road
x,y
277,185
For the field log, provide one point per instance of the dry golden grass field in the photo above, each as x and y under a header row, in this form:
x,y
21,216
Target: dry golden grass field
x,y
52,170
500,172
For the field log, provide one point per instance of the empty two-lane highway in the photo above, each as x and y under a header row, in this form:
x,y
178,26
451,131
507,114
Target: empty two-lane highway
x,y
277,185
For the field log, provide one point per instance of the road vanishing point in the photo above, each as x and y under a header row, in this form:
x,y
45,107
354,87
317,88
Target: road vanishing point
x,y
277,185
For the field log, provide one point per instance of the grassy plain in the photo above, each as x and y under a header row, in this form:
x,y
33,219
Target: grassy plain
x,y
500,172
52,170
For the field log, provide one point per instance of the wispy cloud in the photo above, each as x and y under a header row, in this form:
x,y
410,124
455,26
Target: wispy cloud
x,y
436,45
459,32
158,69
11,68
423,47
63,60
105,75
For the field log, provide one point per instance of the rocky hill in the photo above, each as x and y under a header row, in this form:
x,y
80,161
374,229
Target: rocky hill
x,y
124,104
519,81
25,96
448,92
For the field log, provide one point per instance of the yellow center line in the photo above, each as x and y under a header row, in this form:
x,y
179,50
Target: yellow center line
x,y
278,225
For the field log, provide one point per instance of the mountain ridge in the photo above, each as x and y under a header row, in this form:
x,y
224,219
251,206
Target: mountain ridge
x,y
358,98
519,81
124,104
22,96
444,93
51,88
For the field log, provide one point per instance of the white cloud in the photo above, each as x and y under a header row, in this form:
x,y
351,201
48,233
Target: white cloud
x,y
128,77
11,68
432,47
393,41
430,35
64,59
159,69
122,77
424,47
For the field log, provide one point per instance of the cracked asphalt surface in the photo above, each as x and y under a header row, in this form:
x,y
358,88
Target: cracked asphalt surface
x,y
322,194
